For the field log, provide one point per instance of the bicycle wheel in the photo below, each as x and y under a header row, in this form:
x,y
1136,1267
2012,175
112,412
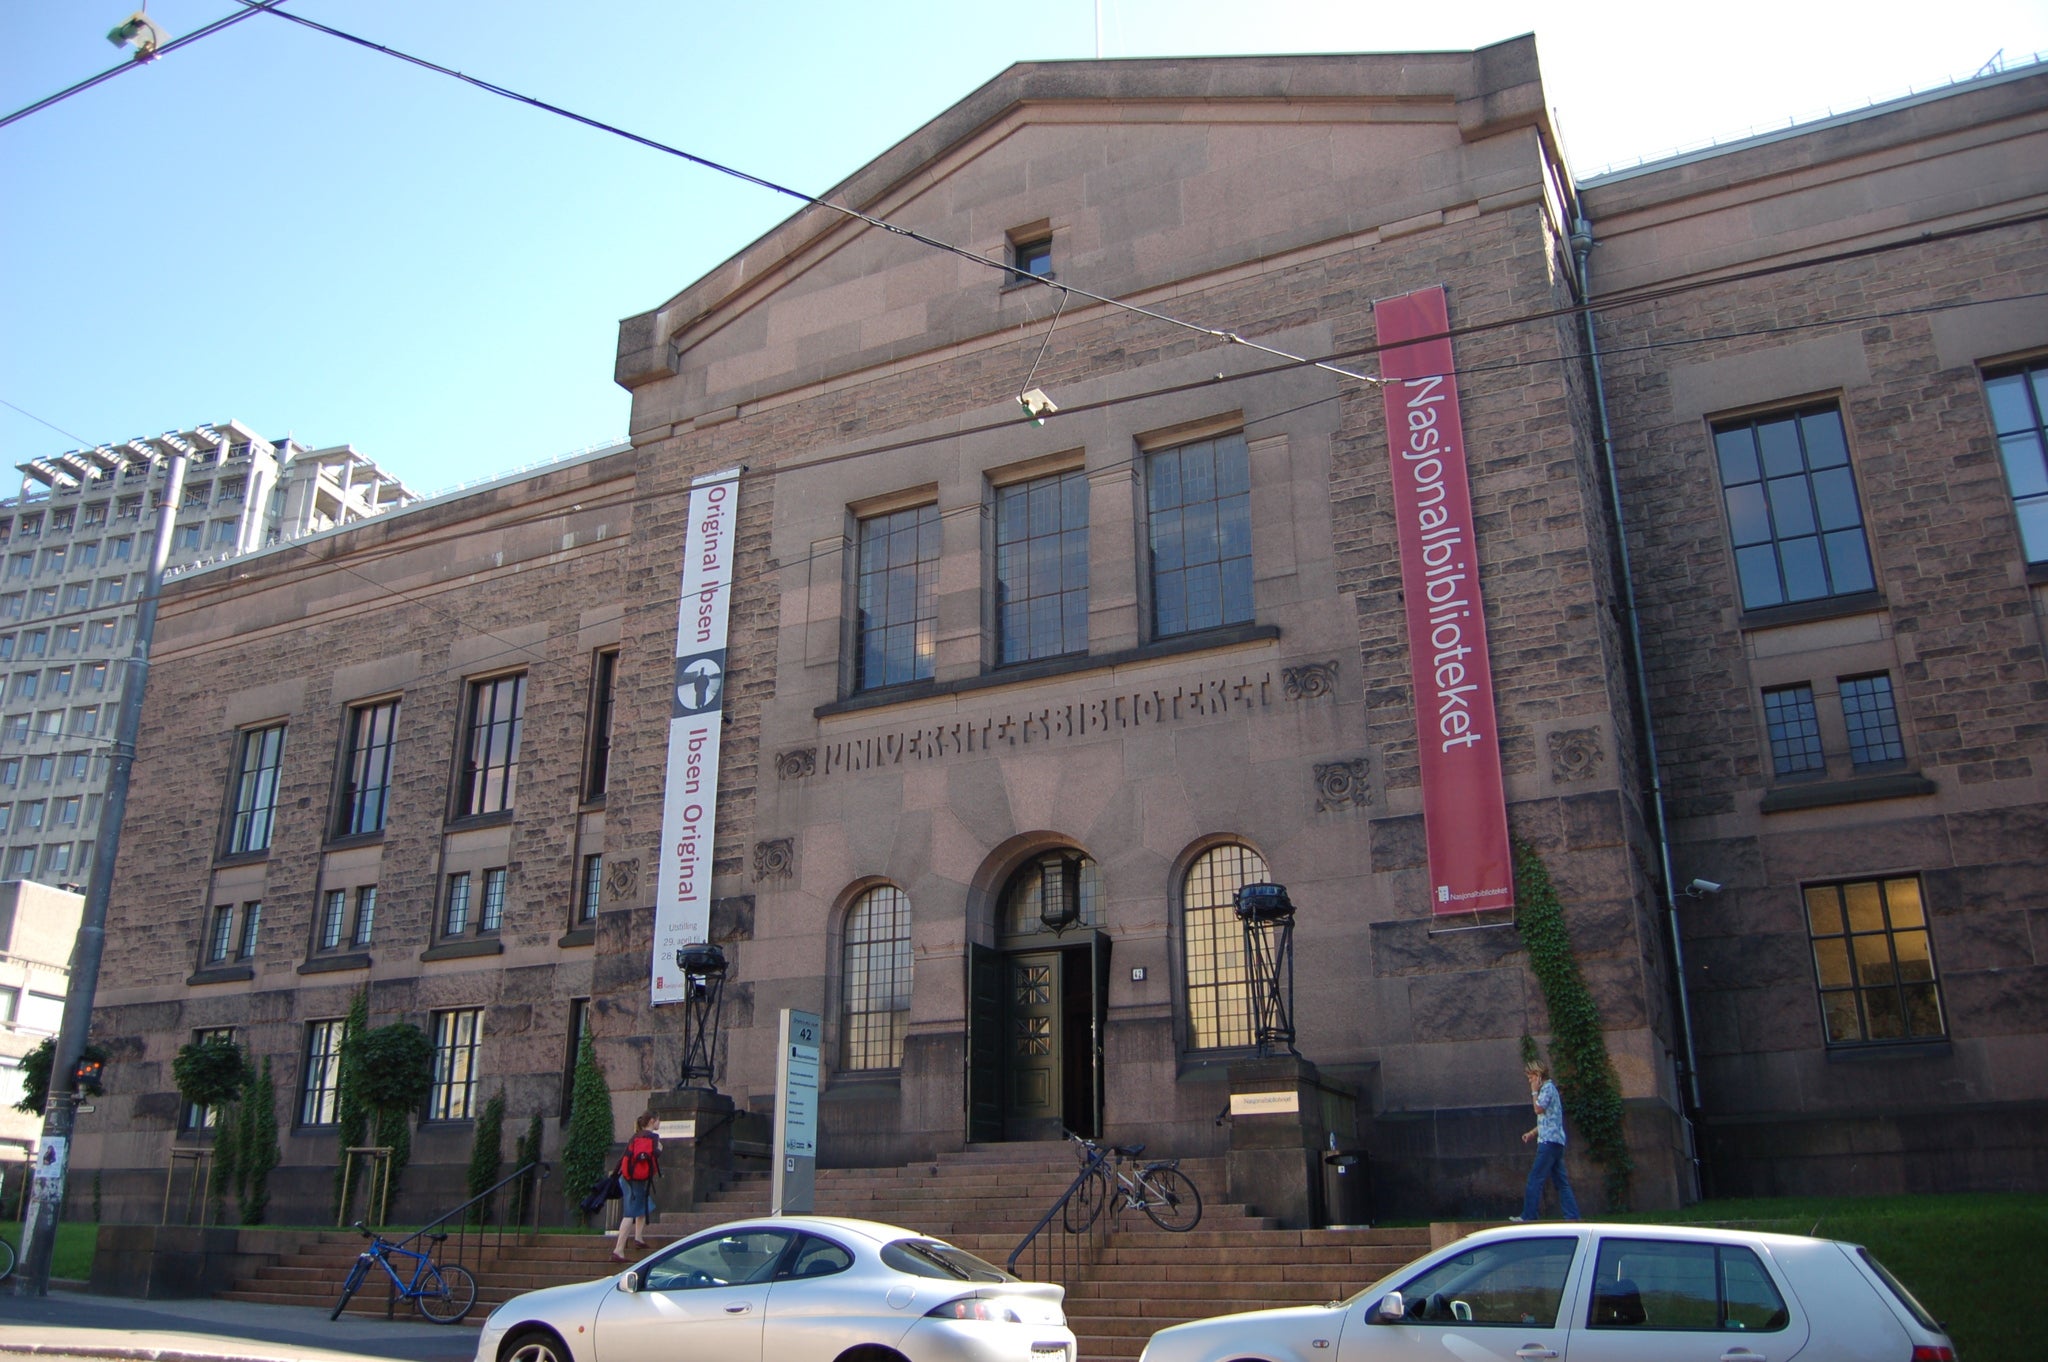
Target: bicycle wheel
x,y
350,1283
1170,1199
445,1293
6,1260
1085,1203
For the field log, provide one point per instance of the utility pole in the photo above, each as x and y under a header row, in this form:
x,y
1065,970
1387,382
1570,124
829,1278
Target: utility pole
x,y
53,1152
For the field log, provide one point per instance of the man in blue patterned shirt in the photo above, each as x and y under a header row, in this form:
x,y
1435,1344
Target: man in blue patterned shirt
x,y
1549,1138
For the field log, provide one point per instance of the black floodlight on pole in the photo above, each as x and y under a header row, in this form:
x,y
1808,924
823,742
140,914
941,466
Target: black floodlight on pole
x,y
1267,915
703,967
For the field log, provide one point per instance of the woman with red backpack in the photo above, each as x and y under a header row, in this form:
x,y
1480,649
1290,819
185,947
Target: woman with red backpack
x,y
637,1169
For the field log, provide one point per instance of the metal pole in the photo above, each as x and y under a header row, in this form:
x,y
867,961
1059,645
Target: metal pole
x,y
39,1227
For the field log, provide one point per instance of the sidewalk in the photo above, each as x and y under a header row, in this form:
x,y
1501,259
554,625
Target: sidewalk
x,y
75,1324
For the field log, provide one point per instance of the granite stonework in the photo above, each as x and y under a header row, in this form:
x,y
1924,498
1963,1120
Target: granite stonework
x,y
852,374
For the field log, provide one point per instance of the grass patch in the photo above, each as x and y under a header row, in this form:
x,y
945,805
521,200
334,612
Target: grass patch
x,y
73,1257
1968,1258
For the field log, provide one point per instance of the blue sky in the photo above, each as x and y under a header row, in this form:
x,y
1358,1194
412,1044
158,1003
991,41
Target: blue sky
x,y
280,228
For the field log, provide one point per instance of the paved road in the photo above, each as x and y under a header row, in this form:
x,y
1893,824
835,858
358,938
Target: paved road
x,y
72,1324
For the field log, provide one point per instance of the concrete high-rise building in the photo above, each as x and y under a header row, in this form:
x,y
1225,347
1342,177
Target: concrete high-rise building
x,y
74,548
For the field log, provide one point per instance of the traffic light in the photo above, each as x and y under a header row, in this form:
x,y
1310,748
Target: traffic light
x,y
87,1074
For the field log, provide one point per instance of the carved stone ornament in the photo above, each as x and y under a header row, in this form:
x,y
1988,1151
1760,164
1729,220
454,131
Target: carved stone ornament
x,y
775,859
1309,681
1341,783
796,764
1575,753
621,879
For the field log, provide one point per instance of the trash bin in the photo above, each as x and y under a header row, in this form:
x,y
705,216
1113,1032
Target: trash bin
x,y
1347,1190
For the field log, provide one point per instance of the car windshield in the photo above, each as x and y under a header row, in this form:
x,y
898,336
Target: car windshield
x,y
932,1258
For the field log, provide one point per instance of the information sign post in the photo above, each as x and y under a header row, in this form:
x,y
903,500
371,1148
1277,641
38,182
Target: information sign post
x,y
796,1114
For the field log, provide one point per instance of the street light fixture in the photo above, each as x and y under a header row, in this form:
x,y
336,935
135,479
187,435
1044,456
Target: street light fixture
x,y
1267,915
704,969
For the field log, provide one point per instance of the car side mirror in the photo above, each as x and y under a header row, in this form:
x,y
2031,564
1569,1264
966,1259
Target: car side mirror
x,y
629,1281
1391,1310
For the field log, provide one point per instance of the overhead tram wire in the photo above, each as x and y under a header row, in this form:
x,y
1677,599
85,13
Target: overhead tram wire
x,y
881,224
249,7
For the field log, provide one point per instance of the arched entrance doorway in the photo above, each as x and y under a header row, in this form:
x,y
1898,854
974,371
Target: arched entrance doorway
x,y
1038,999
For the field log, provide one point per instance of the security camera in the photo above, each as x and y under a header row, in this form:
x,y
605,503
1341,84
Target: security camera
x,y
1701,887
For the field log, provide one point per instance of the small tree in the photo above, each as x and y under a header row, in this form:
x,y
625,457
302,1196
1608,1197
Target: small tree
x,y
525,1156
395,1070
588,1145
256,1143
351,1117
486,1154
211,1073
35,1074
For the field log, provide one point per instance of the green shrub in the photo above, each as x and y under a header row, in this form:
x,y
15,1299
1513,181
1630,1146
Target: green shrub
x,y
256,1144
351,1117
486,1154
394,1070
526,1156
35,1074
587,1147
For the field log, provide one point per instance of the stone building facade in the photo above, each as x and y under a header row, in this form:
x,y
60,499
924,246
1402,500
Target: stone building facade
x,y
1013,705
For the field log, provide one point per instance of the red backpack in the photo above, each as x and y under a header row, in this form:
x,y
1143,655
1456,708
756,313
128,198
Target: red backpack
x,y
643,1159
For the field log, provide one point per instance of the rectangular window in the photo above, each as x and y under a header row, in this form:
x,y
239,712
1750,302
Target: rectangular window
x,y
255,808
6,816
185,537
95,515
32,816
196,1116
60,680
95,676
457,1036
101,633
455,921
21,863
333,912
85,720
26,684
2019,404
1030,257
68,810
1794,730
1041,541
56,860
112,589
896,629
11,605
322,1079
252,916
1690,1286
588,888
41,770
1873,721
493,915
366,914
366,768
121,550
490,754
1793,516
89,554
78,595
604,685
43,601
220,933
35,643
1874,961
10,772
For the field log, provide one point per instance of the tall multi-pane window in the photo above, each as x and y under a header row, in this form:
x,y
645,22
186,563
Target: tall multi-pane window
x,y
366,769
493,915
198,1115
366,913
588,888
1873,960
1042,567
876,979
490,752
220,933
457,1036
1212,944
1794,728
898,598
333,918
1793,516
604,688
2019,415
321,1080
1873,720
256,768
1199,519
455,920
252,917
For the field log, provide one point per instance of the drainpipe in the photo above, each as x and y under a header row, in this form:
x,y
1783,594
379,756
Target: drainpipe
x,y
1689,1095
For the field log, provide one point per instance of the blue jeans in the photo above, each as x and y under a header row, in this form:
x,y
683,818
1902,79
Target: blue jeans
x,y
1549,1168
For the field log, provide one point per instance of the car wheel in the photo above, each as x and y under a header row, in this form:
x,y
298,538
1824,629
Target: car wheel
x,y
871,1352
534,1345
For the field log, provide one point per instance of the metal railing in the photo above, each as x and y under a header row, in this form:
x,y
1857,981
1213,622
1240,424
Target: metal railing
x,y
1053,1253
509,1208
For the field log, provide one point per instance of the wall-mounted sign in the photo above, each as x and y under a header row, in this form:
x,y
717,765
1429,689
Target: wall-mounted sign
x,y
1264,1103
794,1175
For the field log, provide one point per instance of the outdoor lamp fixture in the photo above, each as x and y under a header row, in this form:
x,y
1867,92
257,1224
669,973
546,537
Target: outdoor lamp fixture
x,y
140,32
1059,892
703,966
1036,405
1267,915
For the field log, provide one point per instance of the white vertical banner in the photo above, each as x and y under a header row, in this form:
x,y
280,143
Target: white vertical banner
x,y
689,810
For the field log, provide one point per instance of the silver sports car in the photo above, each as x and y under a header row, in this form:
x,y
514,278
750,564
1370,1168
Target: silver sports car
x,y
790,1289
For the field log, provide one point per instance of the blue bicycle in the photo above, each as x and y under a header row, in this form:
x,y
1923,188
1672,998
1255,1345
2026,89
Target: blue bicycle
x,y
443,1293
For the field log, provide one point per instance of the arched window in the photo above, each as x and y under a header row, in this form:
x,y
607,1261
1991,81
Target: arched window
x,y
1218,1004
875,981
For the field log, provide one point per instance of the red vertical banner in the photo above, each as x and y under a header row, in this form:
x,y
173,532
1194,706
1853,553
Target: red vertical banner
x,y
1464,804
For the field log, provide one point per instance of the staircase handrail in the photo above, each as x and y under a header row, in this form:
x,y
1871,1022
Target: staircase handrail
x,y
1062,1254
485,1195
